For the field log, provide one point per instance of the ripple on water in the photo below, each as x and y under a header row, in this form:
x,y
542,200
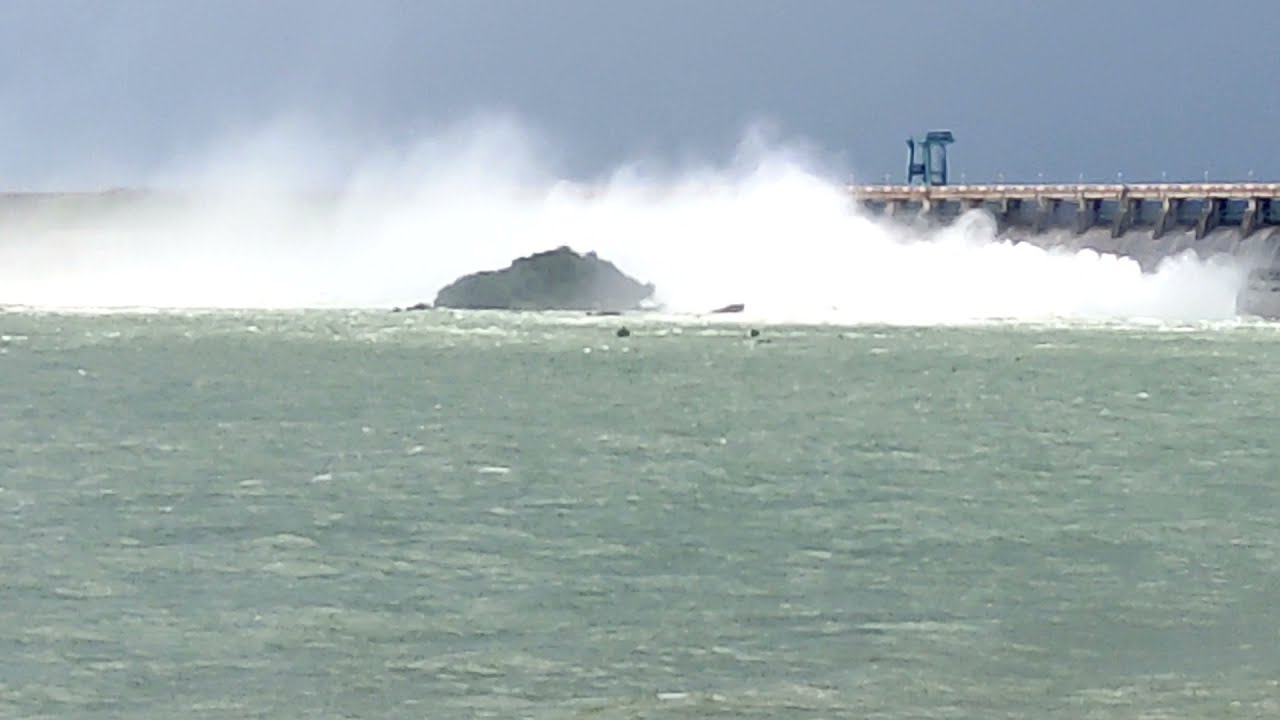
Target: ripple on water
x,y
300,569
285,541
691,530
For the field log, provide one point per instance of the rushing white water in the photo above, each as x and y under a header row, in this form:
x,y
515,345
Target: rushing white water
x,y
767,229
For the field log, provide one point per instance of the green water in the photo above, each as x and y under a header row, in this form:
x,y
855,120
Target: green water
x,y
390,516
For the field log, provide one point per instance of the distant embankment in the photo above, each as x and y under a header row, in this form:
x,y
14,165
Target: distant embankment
x,y
88,200
17,206
61,208
1146,221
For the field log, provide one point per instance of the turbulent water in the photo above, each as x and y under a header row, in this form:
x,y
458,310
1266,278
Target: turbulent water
x,y
771,229
338,514
953,476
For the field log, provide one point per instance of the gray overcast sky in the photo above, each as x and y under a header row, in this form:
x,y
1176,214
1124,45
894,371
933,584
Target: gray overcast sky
x,y
1063,88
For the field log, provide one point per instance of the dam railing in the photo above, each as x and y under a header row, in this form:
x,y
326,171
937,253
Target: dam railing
x,y
1158,207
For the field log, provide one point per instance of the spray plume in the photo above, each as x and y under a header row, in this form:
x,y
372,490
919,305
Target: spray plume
x,y
284,219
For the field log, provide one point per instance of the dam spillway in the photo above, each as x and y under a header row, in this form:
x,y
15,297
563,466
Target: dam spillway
x,y
1146,222
1236,225
1158,208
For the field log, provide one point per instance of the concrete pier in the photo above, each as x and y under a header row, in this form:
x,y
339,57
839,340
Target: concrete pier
x,y
1158,208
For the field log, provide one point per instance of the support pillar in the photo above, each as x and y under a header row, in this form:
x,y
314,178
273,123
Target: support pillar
x,y
1086,213
1009,208
1249,221
1124,216
1210,217
1167,218
1046,209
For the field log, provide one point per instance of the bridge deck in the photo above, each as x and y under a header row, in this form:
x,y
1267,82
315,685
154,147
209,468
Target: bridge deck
x,y
1090,191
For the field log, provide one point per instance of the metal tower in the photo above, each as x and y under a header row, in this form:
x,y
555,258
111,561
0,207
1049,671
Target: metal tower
x,y
927,158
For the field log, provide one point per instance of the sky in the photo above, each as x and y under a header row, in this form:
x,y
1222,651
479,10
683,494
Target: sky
x,y
95,92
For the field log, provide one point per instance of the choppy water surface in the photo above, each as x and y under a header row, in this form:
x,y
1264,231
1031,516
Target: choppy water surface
x,y
374,515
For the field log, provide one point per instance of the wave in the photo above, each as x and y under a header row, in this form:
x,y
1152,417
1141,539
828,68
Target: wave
x,y
770,228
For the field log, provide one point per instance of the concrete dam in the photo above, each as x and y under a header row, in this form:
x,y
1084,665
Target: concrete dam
x,y
1148,221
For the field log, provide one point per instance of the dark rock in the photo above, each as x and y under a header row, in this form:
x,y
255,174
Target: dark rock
x,y
734,308
559,279
755,333
623,332
412,308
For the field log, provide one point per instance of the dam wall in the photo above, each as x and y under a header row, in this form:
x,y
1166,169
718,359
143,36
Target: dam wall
x,y
1149,221
1157,208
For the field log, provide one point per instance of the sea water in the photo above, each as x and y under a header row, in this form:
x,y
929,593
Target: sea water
x,y
376,515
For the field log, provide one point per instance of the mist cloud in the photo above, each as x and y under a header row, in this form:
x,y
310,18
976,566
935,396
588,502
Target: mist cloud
x,y
771,227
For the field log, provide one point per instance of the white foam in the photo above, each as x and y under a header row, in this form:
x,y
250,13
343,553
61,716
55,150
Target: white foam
x,y
767,230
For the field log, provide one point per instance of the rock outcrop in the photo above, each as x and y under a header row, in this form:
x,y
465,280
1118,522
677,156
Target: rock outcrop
x,y
559,279
734,308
